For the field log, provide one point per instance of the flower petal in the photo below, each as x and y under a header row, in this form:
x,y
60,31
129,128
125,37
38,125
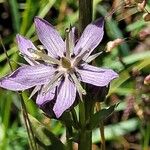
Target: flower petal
x,y
65,98
49,37
91,37
27,76
96,76
24,44
43,98
9,84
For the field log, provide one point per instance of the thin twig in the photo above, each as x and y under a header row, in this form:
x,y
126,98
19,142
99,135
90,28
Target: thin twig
x,y
6,53
28,122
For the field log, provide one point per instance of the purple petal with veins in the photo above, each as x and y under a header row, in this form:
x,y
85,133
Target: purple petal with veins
x,y
24,45
96,76
28,76
43,98
12,85
65,98
49,38
90,38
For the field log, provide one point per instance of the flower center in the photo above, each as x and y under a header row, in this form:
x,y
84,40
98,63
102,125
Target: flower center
x,y
65,63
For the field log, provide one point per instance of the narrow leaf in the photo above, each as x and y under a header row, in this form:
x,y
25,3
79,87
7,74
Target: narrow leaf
x,y
44,136
100,116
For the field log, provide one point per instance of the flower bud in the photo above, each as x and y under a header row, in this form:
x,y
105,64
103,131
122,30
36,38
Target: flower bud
x,y
113,44
98,94
147,80
141,6
144,33
47,108
146,17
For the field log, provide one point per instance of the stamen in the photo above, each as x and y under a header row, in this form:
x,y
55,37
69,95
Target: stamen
x,y
40,55
31,50
52,82
69,42
65,63
78,85
40,47
79,58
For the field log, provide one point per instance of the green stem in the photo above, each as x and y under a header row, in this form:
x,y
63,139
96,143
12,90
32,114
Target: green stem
x,y
103,147
85,141
68,138
146,137
81,114
85,13
101,128
75,119
85,137
86,109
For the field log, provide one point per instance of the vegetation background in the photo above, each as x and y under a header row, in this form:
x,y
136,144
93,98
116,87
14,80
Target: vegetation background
x,y
127,128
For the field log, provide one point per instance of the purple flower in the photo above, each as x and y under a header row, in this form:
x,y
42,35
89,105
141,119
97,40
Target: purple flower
x,y
57,69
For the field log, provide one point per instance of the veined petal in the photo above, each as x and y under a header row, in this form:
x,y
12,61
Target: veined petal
x,y
9,84
65,98
90,38
49,37
96,76
43,98
27,76
24,44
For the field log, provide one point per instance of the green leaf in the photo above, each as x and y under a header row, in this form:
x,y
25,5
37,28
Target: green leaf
x,y
66,119
124,75
100,116
114,131
28,15
46,138
15,15
44,9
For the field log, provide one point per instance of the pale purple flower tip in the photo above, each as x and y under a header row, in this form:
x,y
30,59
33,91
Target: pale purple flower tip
x,y
57,75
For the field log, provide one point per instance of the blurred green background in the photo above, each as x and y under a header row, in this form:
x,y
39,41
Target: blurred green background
x,y
129,126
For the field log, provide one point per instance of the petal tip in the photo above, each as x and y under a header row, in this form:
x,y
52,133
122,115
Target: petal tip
x,y
39,22
99,22
37,18
19,38
57,112
115,74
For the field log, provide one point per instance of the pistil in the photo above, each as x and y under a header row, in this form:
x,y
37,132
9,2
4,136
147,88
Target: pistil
x,y
65,63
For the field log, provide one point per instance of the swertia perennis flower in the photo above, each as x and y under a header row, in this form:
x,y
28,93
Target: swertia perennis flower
x,y
57,74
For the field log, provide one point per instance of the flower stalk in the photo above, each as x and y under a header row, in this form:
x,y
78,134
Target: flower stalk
x,y
101,128
85,137
85,13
